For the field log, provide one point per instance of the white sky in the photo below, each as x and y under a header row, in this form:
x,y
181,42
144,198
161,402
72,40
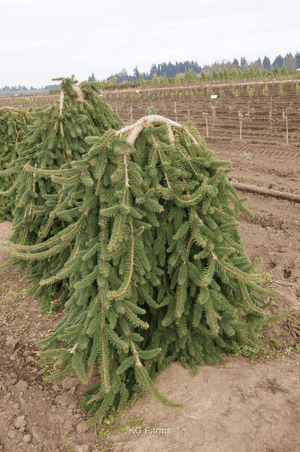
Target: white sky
x,y
42,39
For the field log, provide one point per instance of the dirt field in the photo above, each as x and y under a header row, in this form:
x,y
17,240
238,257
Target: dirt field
x,y
270,117
250,404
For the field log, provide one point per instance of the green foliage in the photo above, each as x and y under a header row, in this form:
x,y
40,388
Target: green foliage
x,y
234,74
281,92
265,91
215,75
190,75
297,89
235,92
157,272
246,73
13,127
54,91
226,74
276,70
203,77
151,110
55,138
284,71
249,91
252,73
222,93
155,80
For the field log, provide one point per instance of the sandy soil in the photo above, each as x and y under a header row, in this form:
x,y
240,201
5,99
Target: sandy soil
x,y
250,404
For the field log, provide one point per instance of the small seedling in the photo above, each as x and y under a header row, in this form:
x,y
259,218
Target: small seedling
x,y
235,93
249,91
281,92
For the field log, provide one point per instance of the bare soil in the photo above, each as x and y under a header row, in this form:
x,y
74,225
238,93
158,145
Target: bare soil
x,y
250,404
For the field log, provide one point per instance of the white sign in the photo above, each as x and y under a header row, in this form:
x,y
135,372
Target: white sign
x,y
213,96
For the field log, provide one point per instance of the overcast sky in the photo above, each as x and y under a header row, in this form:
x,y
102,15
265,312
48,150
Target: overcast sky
x,y
40,39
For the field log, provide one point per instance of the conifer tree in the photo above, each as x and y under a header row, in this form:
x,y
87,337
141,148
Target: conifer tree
x,y
55,138
13,122
159,273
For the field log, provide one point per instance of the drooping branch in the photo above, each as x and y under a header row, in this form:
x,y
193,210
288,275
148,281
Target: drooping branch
x,y
138,127
79,97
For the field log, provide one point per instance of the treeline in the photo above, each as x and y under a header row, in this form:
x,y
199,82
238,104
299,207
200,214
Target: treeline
x,y
214,76
11,90
163,69
188,70
170,70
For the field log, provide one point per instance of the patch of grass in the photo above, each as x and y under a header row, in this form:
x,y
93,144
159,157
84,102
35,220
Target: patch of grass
x,y
112,424
275,347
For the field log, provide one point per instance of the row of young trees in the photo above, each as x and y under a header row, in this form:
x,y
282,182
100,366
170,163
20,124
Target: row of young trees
x,y
170,70
215,75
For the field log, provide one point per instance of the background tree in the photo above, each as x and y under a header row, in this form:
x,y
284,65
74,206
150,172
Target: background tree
x,y
190,75
92,78
290,63
252,73
136,73
203,76
155,80
153,70
255,65
141,79
234,74
276,71
284,71
215,74
236,63
243,62
226,74
297,57
278,61
266,63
